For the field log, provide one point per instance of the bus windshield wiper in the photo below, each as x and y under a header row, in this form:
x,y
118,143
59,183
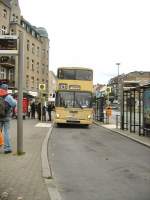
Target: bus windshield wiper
x,y
79,104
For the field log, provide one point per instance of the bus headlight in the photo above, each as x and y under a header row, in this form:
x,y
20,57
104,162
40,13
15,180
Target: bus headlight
x,y
89,116
57,115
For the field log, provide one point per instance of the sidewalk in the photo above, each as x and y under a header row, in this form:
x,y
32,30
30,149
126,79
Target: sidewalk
x,y
21,176
134,136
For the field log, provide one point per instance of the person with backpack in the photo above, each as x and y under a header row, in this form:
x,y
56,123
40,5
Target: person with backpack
x,y
7,103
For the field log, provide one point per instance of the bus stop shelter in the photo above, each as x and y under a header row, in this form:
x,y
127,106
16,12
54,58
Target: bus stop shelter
x,y
135,115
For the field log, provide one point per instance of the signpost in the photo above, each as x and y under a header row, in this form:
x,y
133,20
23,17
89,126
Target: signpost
x,y
8,47
42,88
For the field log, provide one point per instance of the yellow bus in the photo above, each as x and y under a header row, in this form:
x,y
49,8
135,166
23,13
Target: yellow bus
x,y
73,103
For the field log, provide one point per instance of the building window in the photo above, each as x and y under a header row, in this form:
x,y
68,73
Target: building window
x,y
4,30
38,37
32,65
28,29
43,71
2,73
23,24
37,67
33,48
38,51
28,45
43,68
16,18
33,33
4,13
11,74
32,82
28,63
12,32
37,84
27,81
13,18
43,51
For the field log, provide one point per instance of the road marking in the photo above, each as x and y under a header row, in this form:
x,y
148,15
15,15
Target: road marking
x,y
44,125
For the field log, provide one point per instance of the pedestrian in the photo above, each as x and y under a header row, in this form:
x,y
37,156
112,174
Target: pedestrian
x,y
39,110
33,110
7,103
29,110
49,110
44,113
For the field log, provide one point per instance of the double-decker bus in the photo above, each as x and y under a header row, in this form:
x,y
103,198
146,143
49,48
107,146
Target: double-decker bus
x,y
74,96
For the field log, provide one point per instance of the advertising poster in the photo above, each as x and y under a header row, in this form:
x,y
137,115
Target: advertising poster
x,y
147,107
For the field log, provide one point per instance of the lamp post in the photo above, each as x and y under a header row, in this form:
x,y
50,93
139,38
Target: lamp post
x,y
118,64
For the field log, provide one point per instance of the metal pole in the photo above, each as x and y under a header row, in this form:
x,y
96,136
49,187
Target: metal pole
x,y
20,97
118,64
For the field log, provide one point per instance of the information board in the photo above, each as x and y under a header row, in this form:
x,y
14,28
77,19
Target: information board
x,y
146,104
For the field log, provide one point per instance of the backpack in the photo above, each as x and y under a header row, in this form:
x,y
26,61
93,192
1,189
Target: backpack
x,y
3,107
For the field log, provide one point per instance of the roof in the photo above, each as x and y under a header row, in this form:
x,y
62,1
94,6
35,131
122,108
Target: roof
x,y
42,31
6,3
82,68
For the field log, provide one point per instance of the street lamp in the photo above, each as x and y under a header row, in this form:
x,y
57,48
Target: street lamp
x,y
118,64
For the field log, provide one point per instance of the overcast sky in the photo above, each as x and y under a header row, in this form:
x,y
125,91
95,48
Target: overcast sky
x,y
94,33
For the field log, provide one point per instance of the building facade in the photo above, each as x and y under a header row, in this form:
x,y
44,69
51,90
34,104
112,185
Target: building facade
x,y
35,52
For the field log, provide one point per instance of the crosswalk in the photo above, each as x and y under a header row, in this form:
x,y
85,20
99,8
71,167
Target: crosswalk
x,y
44,125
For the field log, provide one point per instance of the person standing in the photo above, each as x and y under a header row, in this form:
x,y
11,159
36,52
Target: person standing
x,y
49,110
29,110
33,110
7,103
44,113
39,110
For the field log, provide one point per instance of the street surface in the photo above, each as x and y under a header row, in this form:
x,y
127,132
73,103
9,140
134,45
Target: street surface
x,y
97,164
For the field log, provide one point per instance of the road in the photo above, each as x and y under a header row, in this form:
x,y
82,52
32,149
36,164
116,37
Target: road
x,y
97,164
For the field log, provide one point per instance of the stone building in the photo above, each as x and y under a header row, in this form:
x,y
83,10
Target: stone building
x,y
35,48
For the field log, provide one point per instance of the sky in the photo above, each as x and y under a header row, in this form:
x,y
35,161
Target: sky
x,y
94,33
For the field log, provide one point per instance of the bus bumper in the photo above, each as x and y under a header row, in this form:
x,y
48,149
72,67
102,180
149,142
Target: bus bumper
x,y
69,121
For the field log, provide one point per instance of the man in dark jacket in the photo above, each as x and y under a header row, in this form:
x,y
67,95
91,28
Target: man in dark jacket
x,y
49,110
5,120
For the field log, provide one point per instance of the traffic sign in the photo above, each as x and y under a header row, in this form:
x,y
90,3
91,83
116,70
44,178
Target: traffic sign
x,y
42,87
108,89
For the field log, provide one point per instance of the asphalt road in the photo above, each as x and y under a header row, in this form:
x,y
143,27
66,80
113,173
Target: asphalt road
x,y
97,164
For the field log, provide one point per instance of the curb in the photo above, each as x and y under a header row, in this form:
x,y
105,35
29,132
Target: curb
x,y
125,135
46,169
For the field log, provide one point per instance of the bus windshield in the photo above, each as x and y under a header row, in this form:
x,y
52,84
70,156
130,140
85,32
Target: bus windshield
x,y
74,99
75,74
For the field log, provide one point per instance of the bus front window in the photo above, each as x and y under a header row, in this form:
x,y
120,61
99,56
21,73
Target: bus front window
x,y
84,75
65,99
83,100
74,99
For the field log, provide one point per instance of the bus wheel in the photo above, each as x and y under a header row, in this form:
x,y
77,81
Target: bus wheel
x,y
58,125
86,125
